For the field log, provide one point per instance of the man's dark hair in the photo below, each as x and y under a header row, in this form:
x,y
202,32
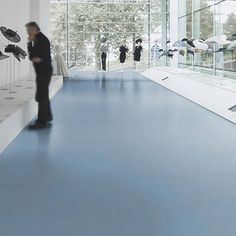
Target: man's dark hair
x,y
33,25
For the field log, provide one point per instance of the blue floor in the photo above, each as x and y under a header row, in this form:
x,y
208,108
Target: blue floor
x,y
124,157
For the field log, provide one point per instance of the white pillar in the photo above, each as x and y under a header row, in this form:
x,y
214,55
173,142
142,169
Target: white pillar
x,y
40,12
164,31
174,28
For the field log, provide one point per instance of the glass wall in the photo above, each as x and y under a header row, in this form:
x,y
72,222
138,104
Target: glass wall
x,y
225,21
205,19
78,26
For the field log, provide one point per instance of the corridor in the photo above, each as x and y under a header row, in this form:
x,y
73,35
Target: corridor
x,y
123,157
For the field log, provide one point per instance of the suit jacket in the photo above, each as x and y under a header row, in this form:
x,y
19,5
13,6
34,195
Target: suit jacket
x,y
41,48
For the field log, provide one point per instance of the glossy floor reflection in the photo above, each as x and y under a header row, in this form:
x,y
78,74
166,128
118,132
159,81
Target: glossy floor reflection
x,y
123,157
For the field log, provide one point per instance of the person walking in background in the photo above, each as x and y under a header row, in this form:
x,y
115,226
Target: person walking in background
x,y
104,51
123,52
40,55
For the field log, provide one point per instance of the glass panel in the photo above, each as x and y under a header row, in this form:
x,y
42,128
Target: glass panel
x,y
185,31
185,7
202,4
226,25
203,29
215,20
79,26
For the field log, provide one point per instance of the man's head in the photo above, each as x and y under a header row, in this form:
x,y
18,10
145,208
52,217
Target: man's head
x,y
32,28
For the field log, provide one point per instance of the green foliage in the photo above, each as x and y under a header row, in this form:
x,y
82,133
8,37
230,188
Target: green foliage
x,y
87,22
230,25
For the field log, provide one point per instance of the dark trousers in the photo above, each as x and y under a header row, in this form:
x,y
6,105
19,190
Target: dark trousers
x,y
42,97
104,58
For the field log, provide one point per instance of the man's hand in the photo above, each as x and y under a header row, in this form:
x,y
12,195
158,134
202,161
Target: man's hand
x,y
31,38
36,60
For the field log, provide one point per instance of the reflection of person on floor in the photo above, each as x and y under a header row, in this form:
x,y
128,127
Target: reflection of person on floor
x,y
40,55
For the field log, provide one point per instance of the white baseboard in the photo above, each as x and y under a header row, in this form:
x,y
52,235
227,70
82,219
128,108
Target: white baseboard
x,y
217,94
16,114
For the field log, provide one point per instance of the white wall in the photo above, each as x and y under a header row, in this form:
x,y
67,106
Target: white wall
x,y
40,12
14,14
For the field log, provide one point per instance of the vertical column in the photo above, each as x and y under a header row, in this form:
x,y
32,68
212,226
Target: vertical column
x,y
218,28
214,34
67,34
40,12
149,32
196,28
174,27
182,31
34,16
44,14
34,10
164,29
109,34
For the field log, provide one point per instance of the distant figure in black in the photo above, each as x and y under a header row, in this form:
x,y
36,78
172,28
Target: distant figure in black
x,y
40,55
137,53
123,51
104,50
138,50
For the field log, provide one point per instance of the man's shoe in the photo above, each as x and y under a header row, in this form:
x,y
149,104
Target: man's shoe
x,y
49,120
37,126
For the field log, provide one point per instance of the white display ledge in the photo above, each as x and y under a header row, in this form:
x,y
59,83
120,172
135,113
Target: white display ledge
x,y
16,113
217,94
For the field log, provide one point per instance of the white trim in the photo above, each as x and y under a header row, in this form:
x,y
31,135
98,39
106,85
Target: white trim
x,y
19,112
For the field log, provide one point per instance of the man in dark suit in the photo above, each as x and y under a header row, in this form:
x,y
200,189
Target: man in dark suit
x,y
40,55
